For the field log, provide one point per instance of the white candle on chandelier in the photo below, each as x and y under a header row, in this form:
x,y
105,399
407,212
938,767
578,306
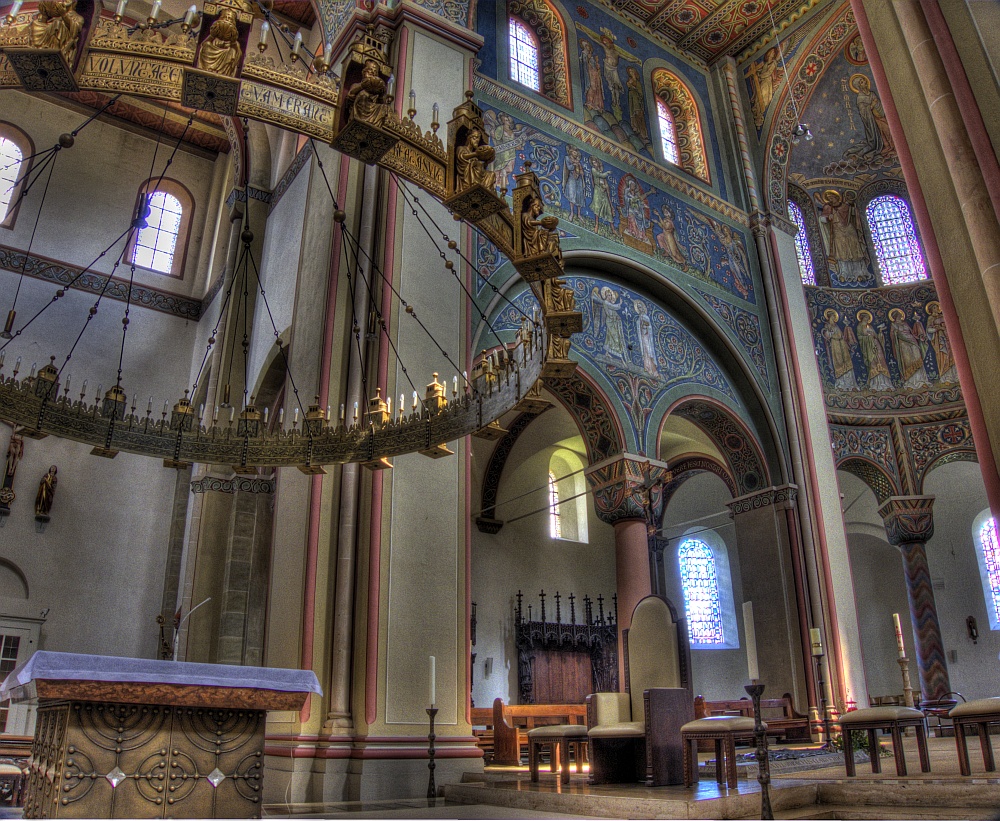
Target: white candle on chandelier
x,y
155,11
215,414
33,366
232,414
342,412
355,411
120,8
416,401
3,355
166,407
149,407
295,417
435,112
297,44
100,393
402,405
190,15
265,416
281,417
14,9
201,412
388,405
327,411
83,390
17,365
69,378
454,384
265,29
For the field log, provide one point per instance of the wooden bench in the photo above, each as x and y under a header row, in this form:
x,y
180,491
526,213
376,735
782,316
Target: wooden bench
x,y
507,726
482,729
778,713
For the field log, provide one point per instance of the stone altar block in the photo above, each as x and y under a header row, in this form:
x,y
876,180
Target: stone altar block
x,y
137,738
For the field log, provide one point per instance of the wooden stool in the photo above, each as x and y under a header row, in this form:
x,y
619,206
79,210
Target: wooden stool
x,y
560,737
981,713
893,719
724,731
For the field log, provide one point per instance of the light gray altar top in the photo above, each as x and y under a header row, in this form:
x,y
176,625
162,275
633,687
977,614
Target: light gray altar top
x,y
53,666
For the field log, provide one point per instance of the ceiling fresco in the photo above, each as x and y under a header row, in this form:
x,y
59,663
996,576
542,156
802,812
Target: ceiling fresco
x,y
710,29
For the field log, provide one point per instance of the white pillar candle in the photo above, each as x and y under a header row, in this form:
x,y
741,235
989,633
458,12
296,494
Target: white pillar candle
x,y
120,8
816,640
265,27
155,11
190,15
900,647
433,682
751,637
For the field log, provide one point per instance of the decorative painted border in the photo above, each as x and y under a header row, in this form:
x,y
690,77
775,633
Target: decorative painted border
x,y
745,325
61,273
238,484
508,97
291,173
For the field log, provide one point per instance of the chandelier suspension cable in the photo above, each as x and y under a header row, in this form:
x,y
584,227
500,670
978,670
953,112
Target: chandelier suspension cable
x,y
375,266
407,196
529,492
800,128
467,261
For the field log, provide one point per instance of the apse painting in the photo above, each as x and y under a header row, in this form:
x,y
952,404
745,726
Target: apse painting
x,y
584,189
641,349
883,349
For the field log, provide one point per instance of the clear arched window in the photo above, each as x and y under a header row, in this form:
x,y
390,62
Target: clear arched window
x,y
700,585
555,525
15,153
989,560
802,250
668,132
895,239
523,55
161,245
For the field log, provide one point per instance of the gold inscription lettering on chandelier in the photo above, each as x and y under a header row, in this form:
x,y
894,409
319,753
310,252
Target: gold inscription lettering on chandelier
x,y
416,166
133,75
287,109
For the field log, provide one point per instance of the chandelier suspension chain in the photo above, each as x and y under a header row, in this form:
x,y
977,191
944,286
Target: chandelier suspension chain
x,y
50,161
468,261
375,266
407,196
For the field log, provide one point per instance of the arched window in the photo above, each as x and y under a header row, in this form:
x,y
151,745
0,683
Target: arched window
x,y
15,153
985,535
161,246
668,132
555,525
567,496
523,56
802,250
537,44
689,144
895,239
700,585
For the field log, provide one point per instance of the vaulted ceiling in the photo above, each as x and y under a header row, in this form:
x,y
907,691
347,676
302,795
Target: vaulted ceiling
x,y
710,29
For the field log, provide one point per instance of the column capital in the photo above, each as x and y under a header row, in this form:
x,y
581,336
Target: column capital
x,y
781,497
627,486
908,518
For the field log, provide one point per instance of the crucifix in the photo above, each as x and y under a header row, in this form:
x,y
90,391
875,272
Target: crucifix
x,y
15,450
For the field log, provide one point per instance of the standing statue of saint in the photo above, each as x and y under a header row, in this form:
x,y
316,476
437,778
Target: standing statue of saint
x,y
46,492
221,52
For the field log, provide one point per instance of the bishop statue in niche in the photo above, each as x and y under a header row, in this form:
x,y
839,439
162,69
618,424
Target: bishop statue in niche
x,y
221,51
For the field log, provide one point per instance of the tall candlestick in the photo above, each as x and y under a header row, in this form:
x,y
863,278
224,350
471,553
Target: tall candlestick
x,y
900,647
751,636
433,682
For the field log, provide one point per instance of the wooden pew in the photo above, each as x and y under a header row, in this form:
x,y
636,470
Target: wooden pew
x,y
778,713
511,723
482,729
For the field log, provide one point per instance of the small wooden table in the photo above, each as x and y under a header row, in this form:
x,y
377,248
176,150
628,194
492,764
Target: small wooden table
x,y
137,738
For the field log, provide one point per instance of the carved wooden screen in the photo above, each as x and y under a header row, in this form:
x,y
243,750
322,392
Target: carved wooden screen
x,y
563,662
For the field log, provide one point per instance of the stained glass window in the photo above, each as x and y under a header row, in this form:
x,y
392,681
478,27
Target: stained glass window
x,y
700,583
155,244
896,245
10,165
990,546
523,55
668,132
555,525
802,250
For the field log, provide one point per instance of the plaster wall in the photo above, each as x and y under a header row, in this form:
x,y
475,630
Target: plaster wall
x,y
524,556
92,195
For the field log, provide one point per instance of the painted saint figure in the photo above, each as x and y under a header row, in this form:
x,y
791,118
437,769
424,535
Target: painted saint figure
x,y
574,181
635,209
644,330
878,140
844,247
221,52
909,344
839,342
765,75
872,346
600,202
937,333
593,94
666,240
636,104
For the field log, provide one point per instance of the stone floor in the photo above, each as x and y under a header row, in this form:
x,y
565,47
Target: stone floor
x,y
821,793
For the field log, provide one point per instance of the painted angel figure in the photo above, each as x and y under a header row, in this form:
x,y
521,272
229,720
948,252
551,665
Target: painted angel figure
x,y
735,254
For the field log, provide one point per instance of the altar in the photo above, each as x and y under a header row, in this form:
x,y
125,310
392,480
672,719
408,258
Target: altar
x,y
140,738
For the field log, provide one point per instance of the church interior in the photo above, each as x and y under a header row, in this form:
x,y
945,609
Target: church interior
x,y
416,344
